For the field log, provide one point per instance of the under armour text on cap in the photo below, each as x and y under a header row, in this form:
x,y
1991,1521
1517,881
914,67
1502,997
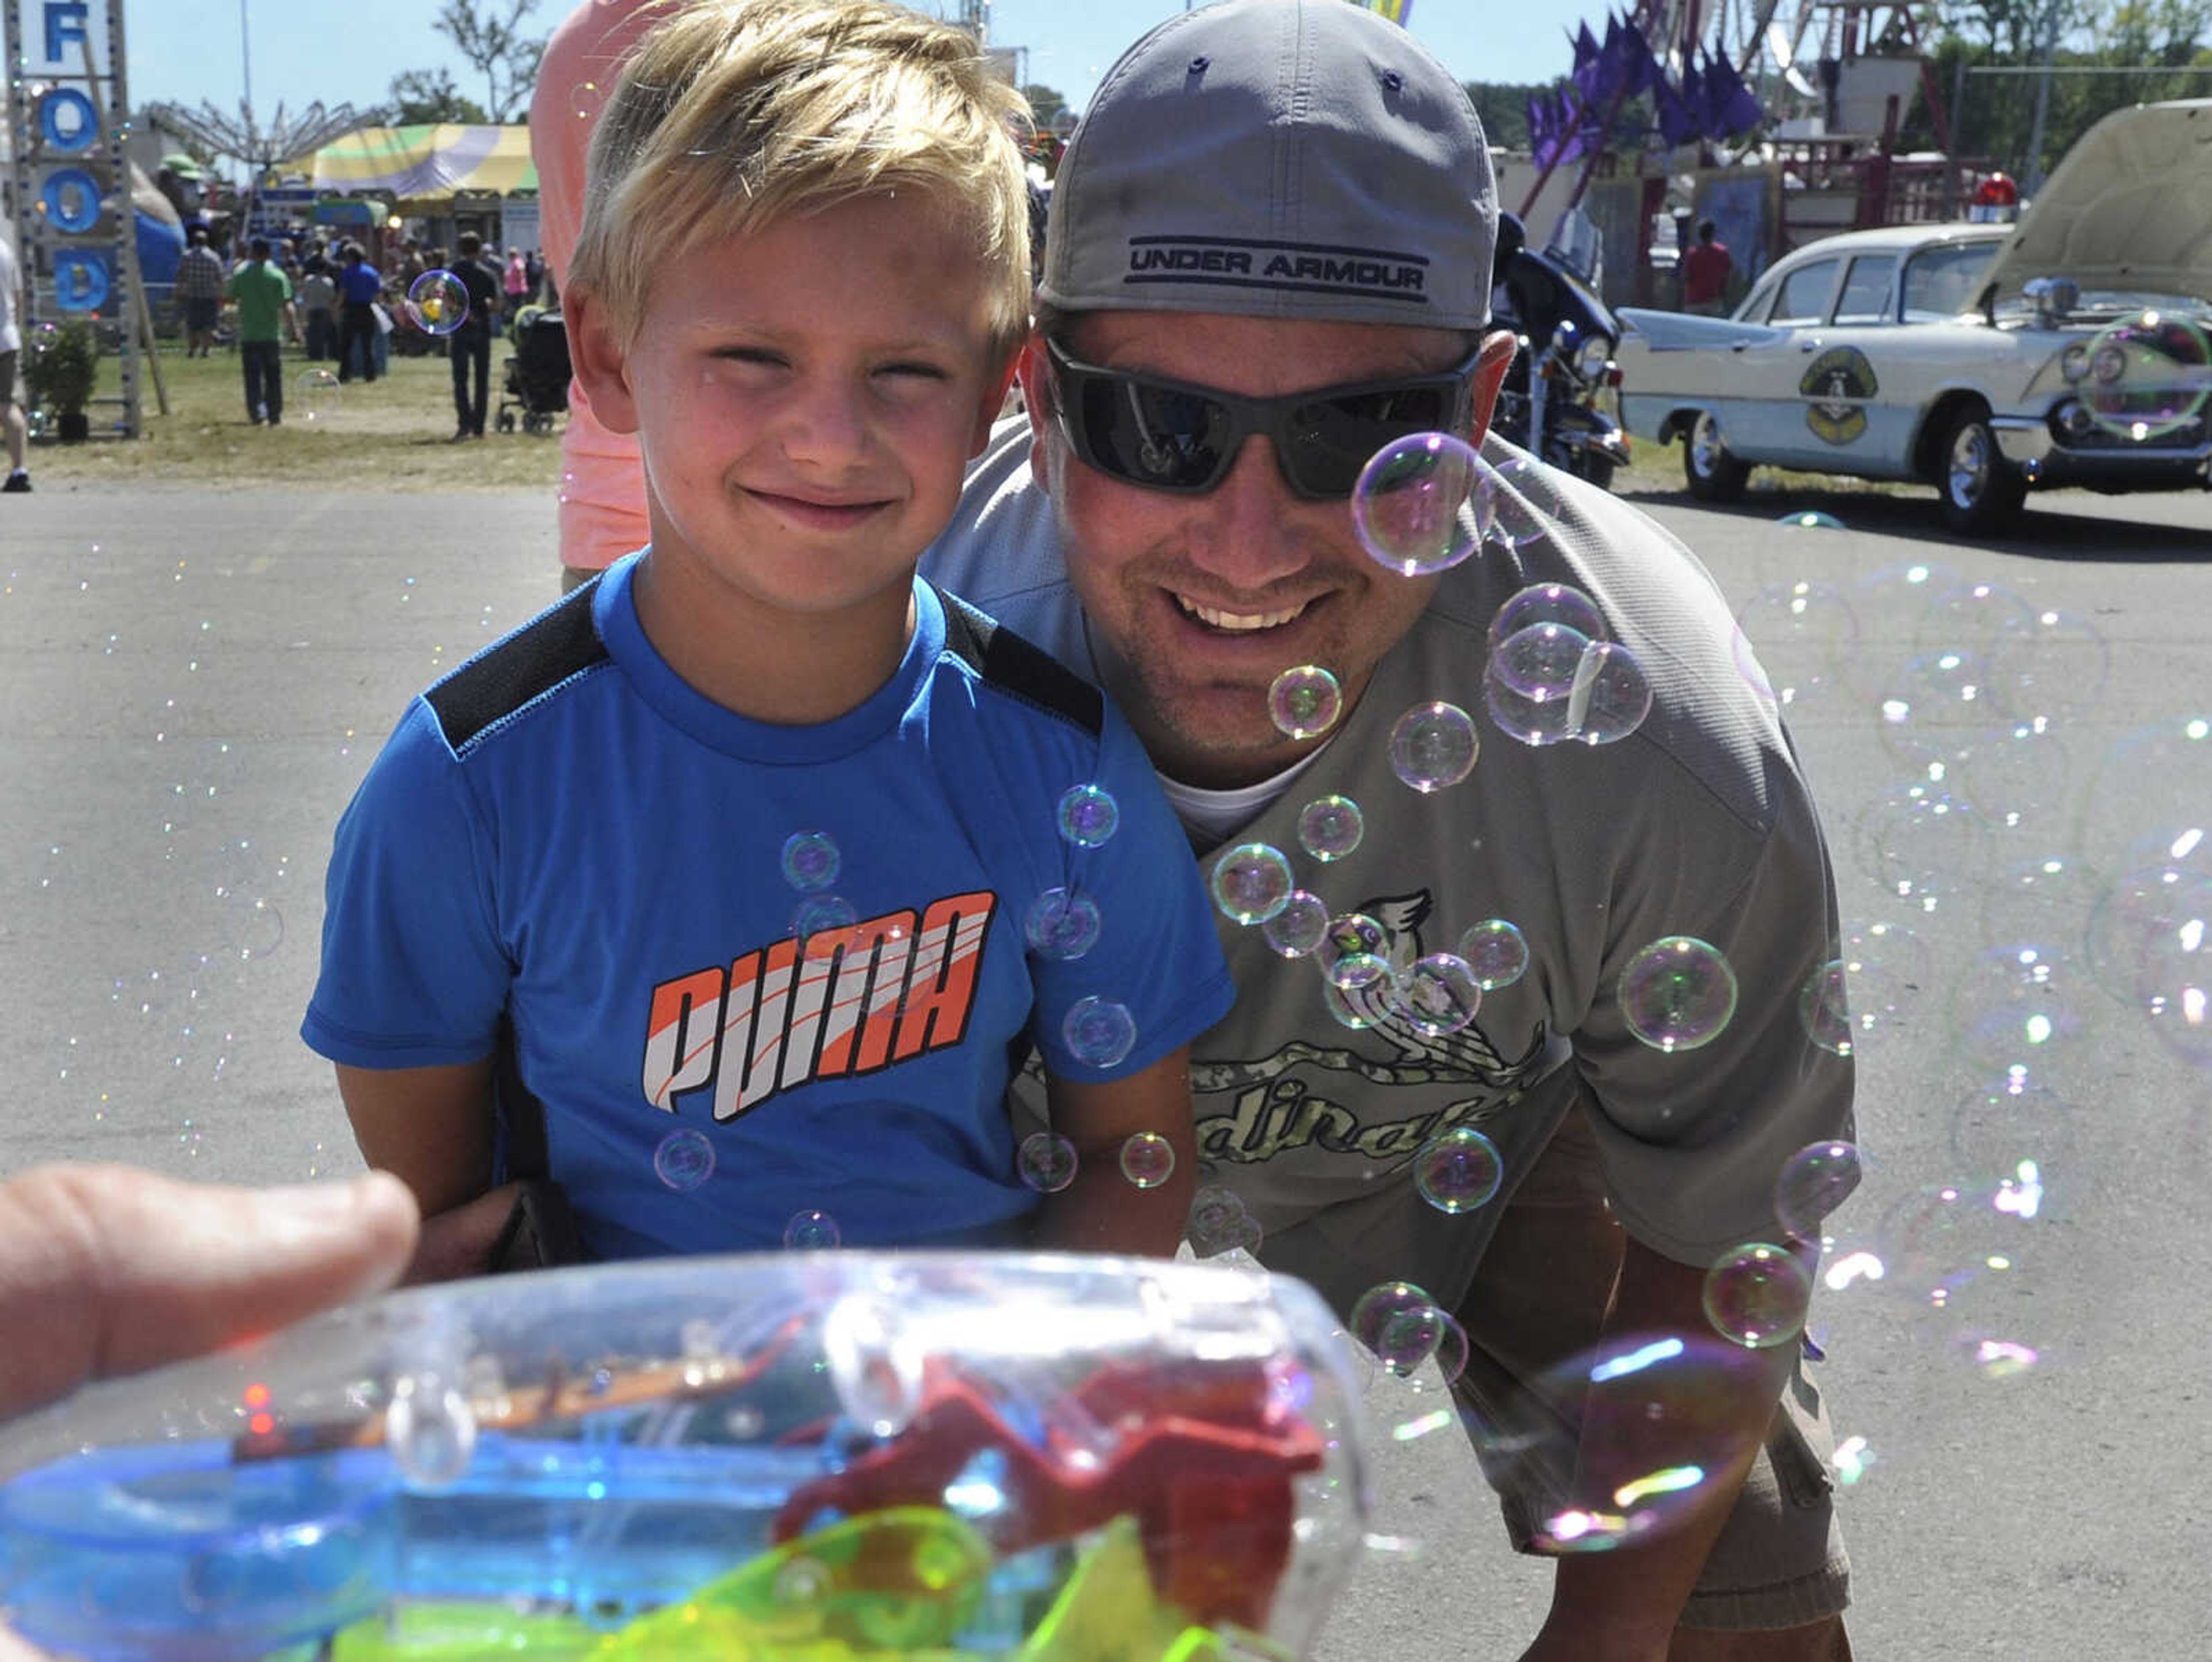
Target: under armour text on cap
x,y
1297,159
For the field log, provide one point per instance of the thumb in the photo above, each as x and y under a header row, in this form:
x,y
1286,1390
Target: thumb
x,y
115,1269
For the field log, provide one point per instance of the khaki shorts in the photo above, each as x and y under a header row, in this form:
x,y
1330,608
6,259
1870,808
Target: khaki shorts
x,y
1537,1295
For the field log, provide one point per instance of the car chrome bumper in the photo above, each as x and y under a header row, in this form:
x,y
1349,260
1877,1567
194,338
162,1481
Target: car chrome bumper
x,y
2021,439
2030,446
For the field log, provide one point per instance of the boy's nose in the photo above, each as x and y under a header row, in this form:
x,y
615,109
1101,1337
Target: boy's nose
x,y
825,426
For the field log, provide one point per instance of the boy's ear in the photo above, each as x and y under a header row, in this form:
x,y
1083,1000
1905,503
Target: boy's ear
x,y
596,355
1036,400
995,400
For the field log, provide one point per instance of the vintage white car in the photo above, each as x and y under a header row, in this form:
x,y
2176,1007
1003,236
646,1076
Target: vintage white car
x,y
1960,355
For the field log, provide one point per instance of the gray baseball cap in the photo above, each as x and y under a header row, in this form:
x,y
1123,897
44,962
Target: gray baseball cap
x,y
1298,158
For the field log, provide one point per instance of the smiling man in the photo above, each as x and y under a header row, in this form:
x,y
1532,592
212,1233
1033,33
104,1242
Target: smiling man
x,y
1269,255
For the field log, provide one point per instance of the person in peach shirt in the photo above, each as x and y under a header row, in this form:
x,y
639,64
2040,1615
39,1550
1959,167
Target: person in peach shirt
x,y
602,480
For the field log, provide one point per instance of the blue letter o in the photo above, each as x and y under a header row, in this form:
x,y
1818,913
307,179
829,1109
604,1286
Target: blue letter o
x,y
78,139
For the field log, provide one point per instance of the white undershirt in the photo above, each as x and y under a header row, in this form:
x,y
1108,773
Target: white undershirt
x,y
1220,813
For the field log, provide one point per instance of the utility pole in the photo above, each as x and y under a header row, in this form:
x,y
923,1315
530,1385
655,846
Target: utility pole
x,y
2056,11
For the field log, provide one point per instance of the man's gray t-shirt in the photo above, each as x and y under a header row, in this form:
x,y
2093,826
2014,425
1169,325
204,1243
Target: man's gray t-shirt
x,y
1699,824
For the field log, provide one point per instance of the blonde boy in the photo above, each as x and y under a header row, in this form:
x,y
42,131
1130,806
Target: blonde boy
x,y
727,892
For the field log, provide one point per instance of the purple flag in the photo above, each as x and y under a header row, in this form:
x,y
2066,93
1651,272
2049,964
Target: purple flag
x,y
1692,93
1737,108
1677,126
1616,70
1542,138
1589,66
1642,69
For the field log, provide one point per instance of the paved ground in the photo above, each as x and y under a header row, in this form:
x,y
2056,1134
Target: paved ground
x,y
192,683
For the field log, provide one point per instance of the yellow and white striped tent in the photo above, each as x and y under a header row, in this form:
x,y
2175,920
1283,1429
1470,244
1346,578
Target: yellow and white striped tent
x,y
422,164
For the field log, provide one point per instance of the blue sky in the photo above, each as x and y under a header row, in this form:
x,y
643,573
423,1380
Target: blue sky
x,y
187,50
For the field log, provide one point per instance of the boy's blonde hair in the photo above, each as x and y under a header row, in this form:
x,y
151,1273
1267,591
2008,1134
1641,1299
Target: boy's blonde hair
x,y
735,114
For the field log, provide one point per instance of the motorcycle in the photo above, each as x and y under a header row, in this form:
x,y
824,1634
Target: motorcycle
x,y
1559,401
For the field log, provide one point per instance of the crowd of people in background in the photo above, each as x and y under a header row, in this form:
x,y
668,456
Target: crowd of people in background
x,y
327,296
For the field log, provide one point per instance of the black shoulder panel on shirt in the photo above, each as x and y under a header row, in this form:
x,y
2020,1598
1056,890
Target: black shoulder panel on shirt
x,y
1010,664
527,665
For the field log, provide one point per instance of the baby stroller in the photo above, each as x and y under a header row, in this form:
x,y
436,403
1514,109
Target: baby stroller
x,y
537,372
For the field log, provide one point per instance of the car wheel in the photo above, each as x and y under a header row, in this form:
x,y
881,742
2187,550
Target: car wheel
x,y
1981,490
1713,476
1597,470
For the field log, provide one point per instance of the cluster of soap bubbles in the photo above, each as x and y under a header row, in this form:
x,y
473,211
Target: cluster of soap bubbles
x,y
1399,1324
811,863
2007,826
1218,1224
1046,1161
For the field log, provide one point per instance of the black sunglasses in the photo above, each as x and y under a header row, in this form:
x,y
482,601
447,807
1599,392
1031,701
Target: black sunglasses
x,y
1173,435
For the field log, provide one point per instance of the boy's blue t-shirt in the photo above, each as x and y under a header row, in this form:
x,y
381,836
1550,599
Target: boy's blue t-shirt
x,y
564,832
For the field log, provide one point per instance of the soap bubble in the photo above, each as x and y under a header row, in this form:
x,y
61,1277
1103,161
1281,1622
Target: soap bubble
x,y
1351,952
2018,1132
875,1365
1756,1294
1148,1159
1099,1031
1459,1170
1305,701
437,301
810,859
684,1160
1297,930
1497,952
1439,994
2016,1008
1330,827
1622,1442
1252,882
1886,974
1046,1162
1943,1239
1546,603
821,914
320,392
1407,506
801,1582
1505,501
1062,924
1815,1181
1824,1008
1793,640
811,1231
1810,519
1677,993
2148,376
430,1431
1089,815
1433,745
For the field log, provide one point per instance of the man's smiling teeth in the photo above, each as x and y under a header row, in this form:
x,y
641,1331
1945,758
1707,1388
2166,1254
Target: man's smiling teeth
x,y
1236,620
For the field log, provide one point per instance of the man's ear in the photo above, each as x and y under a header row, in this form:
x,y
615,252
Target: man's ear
x,y
1498,347
600,363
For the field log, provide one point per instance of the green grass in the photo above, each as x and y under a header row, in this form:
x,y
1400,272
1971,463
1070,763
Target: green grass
x,y
382,436
1656,470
